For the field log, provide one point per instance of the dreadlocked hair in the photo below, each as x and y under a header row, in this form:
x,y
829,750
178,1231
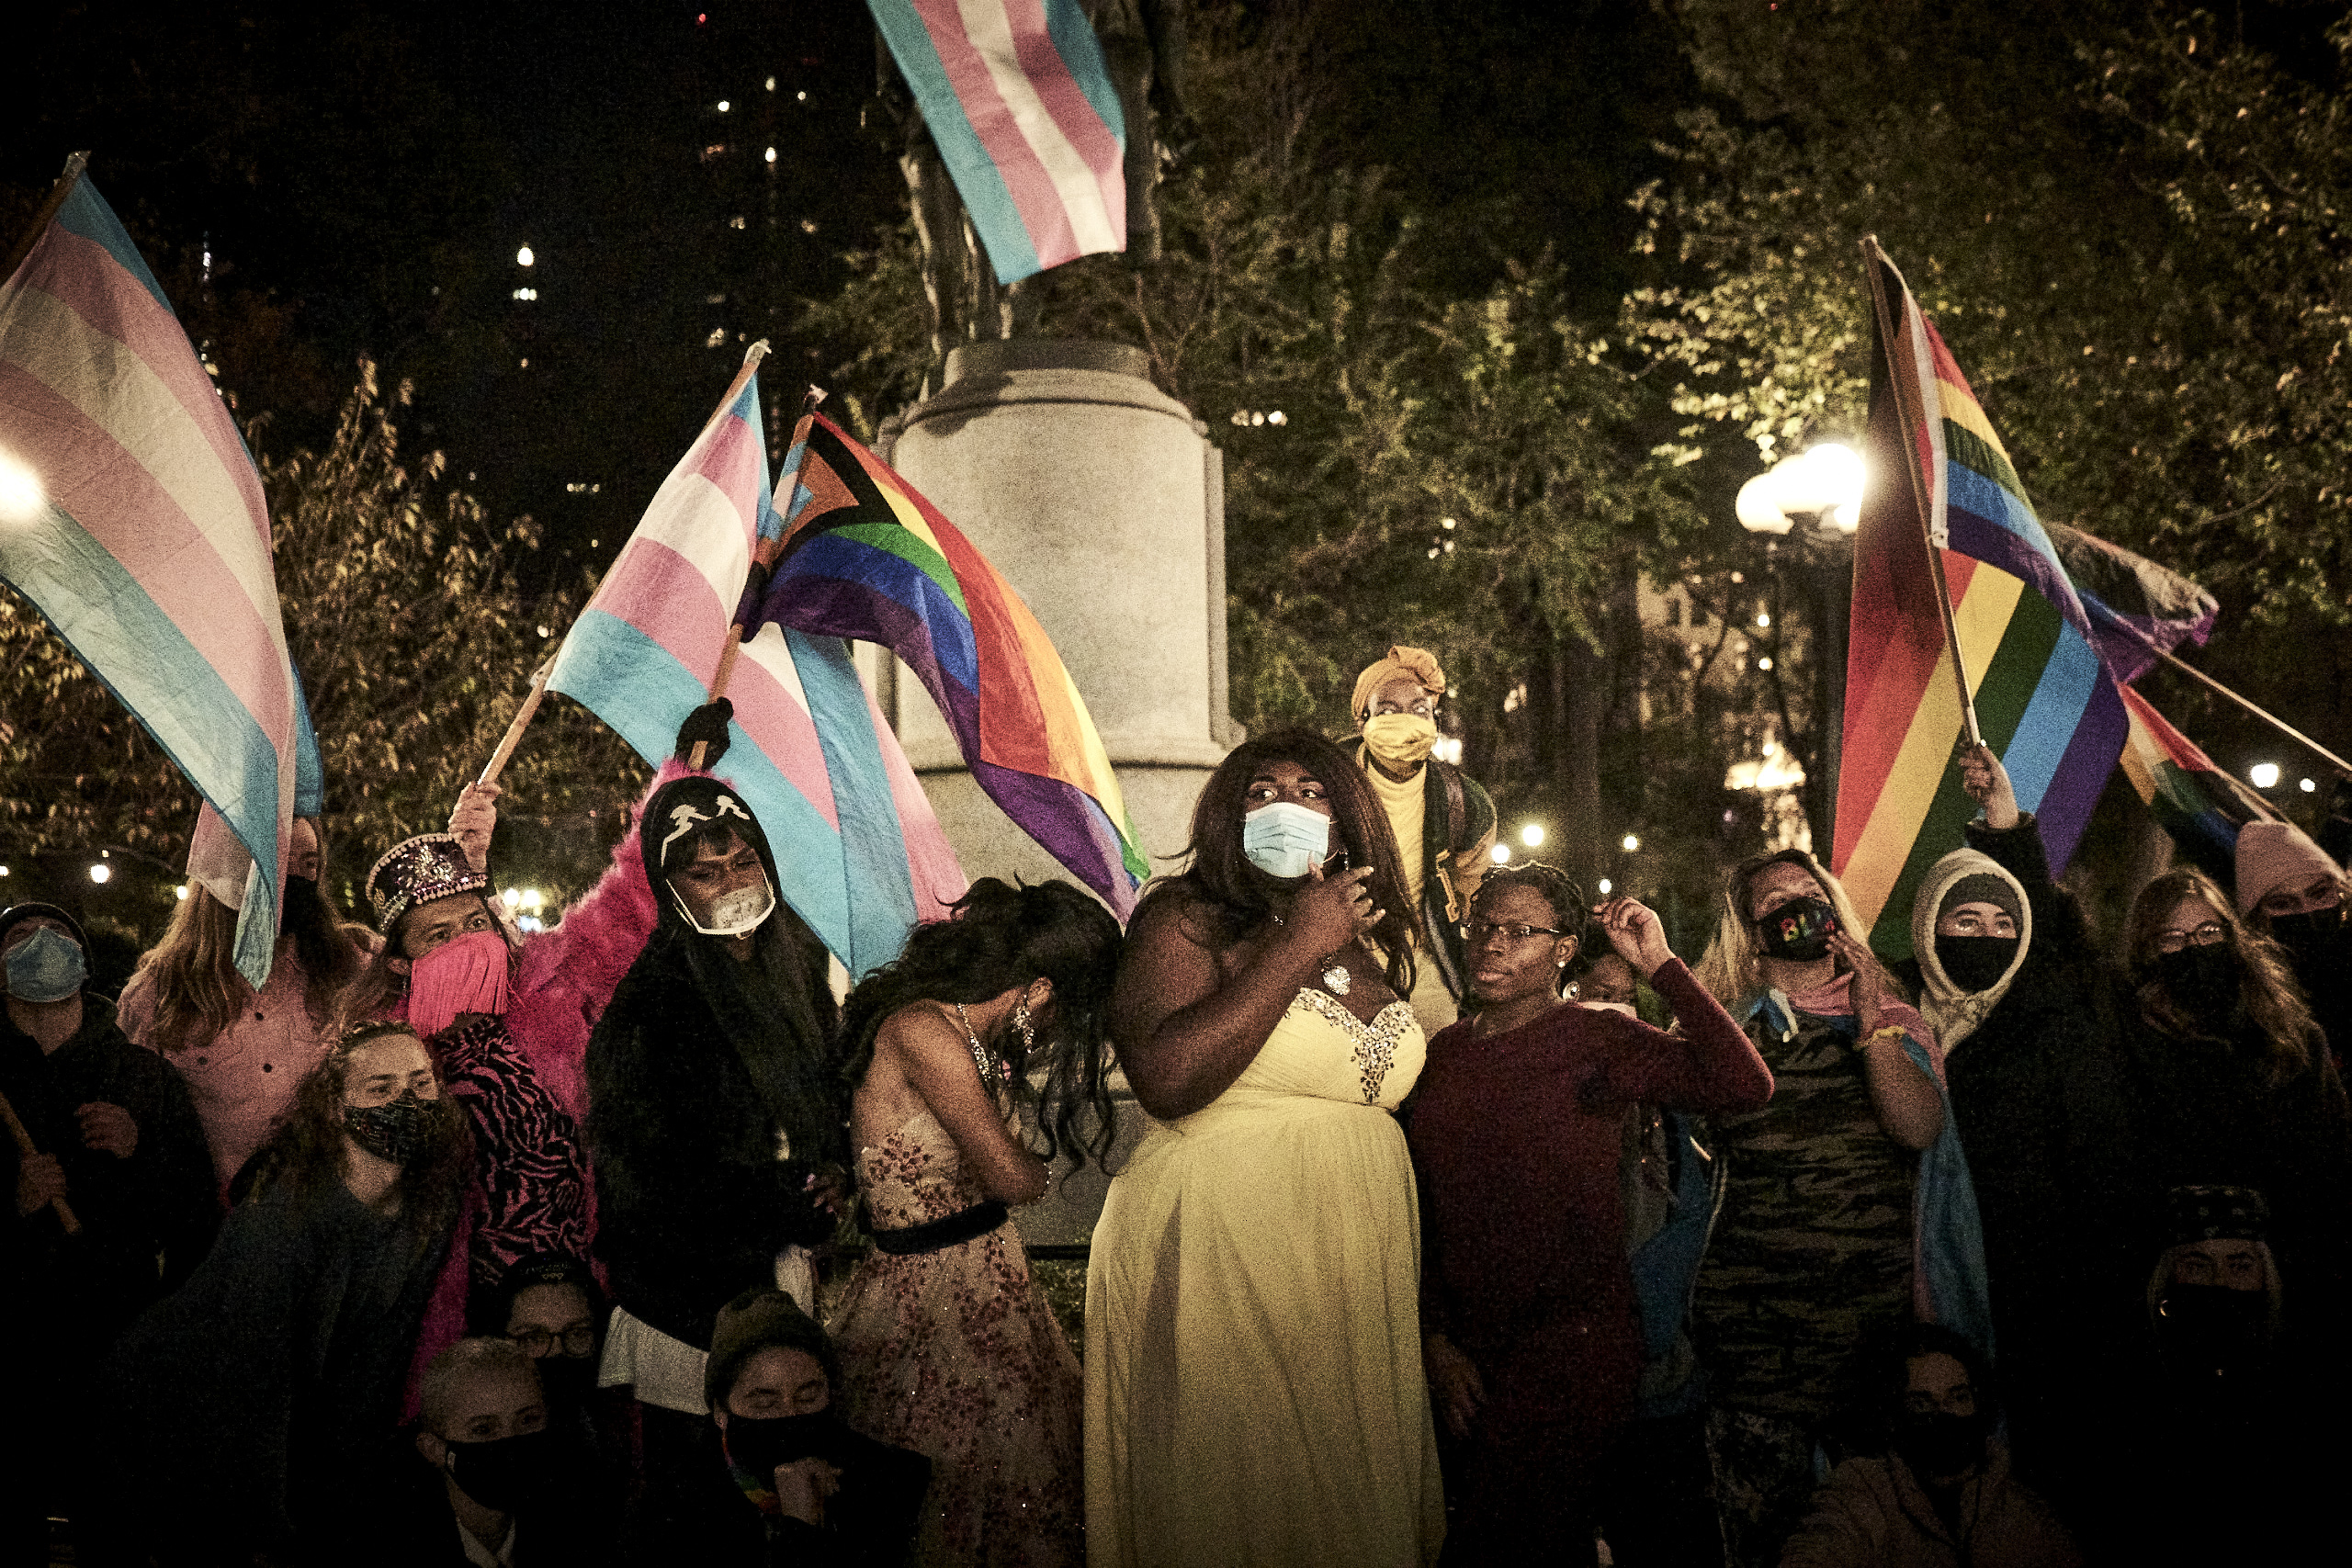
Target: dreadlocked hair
x,y
307,1154
1001,937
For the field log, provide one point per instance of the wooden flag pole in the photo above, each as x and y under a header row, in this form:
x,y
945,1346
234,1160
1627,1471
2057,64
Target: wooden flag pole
x,y
25,1147
513,736
728,654
1914,419
74,168
2272,719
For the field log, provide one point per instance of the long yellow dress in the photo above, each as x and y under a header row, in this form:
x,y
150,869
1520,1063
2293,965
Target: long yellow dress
x,y
1254,1393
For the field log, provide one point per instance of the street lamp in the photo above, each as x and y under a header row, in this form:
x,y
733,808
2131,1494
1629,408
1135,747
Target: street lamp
x,y
1815,499
1531,835
2264,774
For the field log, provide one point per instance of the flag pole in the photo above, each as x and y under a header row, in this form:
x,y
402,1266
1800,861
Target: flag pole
x,y
74,168
2194,673
27,1148
513,736
1914,419
733,648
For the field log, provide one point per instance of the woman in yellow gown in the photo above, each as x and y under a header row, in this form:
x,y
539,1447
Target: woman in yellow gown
x,y
1254,1392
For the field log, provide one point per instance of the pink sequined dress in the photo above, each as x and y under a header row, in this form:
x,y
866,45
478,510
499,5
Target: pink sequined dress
x,y
955,1355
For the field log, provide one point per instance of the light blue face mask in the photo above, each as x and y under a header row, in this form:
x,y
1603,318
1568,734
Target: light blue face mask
x,y
47,966
1286,838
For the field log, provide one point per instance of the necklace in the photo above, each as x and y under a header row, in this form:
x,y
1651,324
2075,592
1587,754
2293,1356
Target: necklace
x,y
993,1068
1336,979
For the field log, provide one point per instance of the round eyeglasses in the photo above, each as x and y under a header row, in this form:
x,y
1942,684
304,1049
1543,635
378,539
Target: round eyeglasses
x,y
2205,935
577,1340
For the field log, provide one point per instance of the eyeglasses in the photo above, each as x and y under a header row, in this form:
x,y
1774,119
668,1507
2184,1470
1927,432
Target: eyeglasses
x,y
2205,935
1479,931
577,1340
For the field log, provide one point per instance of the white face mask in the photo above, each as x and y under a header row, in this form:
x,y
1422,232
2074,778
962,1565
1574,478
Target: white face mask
x,y
734,913
1286,838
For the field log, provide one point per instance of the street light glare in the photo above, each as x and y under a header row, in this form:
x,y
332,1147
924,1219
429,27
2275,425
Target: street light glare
x,y
1633,842
2306,785
1604,888
1823,479
524,256
2264,774
21,498
512,897
1531,835
1501,854
99,874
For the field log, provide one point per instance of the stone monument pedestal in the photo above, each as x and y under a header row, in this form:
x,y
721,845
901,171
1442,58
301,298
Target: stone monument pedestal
x,y
1102,503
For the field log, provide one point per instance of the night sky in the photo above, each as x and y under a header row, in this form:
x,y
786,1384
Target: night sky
x,y
362,178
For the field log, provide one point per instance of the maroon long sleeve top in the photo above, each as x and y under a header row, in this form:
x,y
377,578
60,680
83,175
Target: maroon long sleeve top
x,y
1516,1138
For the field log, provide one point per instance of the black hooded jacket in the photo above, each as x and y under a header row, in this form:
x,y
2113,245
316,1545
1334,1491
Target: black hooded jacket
x,y
702,1072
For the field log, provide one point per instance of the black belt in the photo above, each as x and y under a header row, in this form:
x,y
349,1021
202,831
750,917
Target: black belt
x,y
953,1231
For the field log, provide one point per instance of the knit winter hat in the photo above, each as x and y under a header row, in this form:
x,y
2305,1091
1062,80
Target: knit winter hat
x,y
1416,663
1981,888
2210,1214
2272,854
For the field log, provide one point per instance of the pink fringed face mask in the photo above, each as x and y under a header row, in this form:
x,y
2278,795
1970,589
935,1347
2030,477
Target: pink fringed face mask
x,y
461,976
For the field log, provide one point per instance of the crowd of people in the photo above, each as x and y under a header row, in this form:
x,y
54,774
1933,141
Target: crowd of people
x,y
1467,1222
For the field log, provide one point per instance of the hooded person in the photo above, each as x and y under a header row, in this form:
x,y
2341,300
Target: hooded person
x,y
2009,978
119,1144
1443,822
2288,890
718,1119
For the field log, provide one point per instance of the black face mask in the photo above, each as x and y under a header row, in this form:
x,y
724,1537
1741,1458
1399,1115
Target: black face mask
x,y
1799,930
2310,939
2203,980
397,1132
758,1447
1940,1444
1974,962
2212,1325
507,1473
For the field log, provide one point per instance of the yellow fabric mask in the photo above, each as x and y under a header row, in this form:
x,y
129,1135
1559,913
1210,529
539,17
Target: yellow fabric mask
x,y
1402,739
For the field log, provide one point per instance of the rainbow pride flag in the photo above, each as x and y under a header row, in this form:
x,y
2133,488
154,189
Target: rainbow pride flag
x,y
131,516
2191,799
2137,607
2045,701
861,854
865,556
1025,117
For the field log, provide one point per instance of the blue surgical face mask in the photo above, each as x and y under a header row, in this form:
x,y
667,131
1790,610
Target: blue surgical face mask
x,y
47,966
1286,838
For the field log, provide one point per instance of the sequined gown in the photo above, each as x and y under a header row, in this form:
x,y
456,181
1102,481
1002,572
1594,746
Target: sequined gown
x,y
1254,1392
955,1355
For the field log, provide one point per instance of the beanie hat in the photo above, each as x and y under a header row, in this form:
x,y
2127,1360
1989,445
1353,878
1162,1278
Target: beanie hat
x,y
1980,888
2272,854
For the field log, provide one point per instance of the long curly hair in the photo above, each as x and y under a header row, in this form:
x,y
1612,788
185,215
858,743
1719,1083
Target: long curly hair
x,y
1728,968
2267,995
307,1156
198,992
1001,936
1238,897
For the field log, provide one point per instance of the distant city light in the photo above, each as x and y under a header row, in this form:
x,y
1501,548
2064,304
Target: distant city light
x,y
533,899
512,897
2306,785
20,493
1501,853
1531,835
1604,888
1277,417
524,256
99,874
771,83
1764,664
526,294
803,96
180,892
722,106
2264,774
1763,618
1445,522
771,154
1632,842
4,871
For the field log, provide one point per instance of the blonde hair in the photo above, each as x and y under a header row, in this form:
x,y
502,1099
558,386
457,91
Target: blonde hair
x,y
194,973
1728,968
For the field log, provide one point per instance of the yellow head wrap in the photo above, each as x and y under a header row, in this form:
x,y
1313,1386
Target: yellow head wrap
x,y
1416,663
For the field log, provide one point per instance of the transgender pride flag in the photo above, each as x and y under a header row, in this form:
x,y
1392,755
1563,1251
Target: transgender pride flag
x,y
861,855
1025,119
131,516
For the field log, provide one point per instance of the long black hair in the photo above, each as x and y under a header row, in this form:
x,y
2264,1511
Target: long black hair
x,y
1001,936
1239,897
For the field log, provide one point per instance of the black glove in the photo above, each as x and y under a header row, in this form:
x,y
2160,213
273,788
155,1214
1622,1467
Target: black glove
x,y
707,725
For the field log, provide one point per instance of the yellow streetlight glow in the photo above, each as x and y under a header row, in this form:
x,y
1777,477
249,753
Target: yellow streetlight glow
x,y
524,256
21,498
2264,774
180,893
1604,888
1632,843
99,873
1531,835
512,897
1501,854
